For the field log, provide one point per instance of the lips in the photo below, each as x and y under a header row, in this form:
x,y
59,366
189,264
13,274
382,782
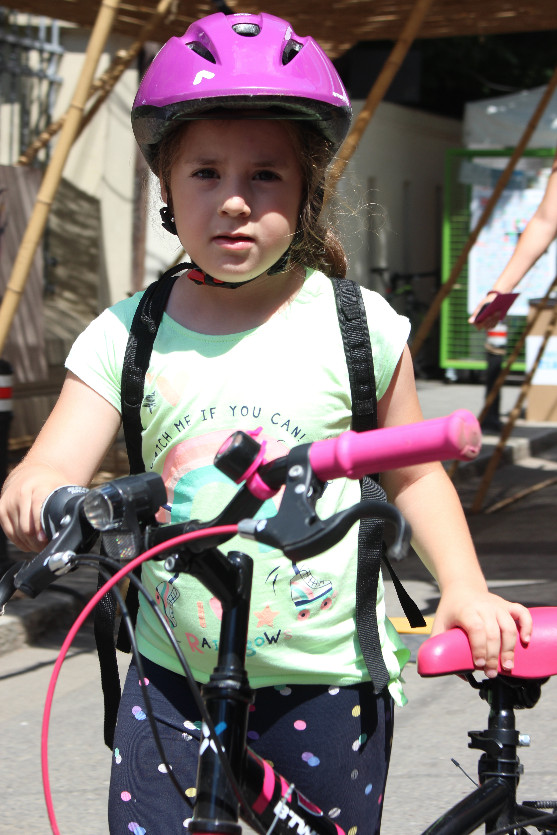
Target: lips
x,y
233,241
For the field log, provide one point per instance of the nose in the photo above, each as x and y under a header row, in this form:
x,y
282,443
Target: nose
x,y
234,205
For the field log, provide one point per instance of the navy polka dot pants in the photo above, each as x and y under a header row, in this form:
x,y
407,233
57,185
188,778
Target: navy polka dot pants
x,y
333,743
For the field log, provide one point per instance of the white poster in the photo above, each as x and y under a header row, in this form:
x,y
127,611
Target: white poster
x,y
497,241
546,372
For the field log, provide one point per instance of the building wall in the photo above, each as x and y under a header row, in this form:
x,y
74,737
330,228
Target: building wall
x,y
391,197
102,161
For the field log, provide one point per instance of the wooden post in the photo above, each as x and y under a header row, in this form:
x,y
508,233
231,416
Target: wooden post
x,y
103,85
431,315
378,90
53,174
527,491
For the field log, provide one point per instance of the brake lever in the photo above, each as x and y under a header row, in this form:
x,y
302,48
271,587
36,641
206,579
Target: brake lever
x,y
298,531
57,558
7,586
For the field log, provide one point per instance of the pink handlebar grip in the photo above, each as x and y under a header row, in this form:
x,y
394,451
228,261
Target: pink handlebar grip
x,y
355,454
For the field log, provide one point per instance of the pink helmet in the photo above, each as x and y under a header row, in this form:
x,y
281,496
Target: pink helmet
x,y
239,61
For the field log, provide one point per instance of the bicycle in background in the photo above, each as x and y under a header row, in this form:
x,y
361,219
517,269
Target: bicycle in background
x,y
411,295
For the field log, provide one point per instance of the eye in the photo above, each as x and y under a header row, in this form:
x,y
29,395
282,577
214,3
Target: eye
x,y
205,173
267,176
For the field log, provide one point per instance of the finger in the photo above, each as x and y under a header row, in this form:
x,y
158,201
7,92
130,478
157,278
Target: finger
x,y
478,644
472,319
494,643
523,621
509,636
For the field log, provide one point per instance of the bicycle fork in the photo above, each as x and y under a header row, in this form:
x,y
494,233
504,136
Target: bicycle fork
x,y
275,804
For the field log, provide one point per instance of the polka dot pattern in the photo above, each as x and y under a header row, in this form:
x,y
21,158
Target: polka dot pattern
x,y
325,739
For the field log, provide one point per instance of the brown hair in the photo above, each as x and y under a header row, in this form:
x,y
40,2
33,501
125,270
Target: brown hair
x,y
315,244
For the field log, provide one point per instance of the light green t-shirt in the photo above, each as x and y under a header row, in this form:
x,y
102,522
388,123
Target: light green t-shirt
x,y
289,377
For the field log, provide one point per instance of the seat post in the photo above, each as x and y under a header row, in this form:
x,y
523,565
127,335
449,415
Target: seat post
x,y
499,742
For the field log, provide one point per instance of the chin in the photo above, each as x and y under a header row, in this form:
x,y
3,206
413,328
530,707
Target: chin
x,y
238,275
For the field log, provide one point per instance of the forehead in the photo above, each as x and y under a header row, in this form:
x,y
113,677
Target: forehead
x,y
275,138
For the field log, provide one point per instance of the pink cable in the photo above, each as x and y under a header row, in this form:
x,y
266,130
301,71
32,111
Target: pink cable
x,y
164,546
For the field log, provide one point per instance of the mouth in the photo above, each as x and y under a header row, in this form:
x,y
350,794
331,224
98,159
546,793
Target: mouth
x,y
233,241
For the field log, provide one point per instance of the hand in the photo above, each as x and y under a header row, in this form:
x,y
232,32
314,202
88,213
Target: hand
x,y
20,506
491,321
492,624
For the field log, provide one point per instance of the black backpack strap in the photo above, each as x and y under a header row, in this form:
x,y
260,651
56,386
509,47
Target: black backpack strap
x,y
103,627
359,359
143,332
357,347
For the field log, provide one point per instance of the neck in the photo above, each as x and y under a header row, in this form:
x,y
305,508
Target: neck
x,y
214,311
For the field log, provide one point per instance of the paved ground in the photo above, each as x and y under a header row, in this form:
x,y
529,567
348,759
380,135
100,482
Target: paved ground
x,y
515,539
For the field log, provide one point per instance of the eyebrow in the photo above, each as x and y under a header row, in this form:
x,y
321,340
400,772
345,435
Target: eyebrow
x,y
276,162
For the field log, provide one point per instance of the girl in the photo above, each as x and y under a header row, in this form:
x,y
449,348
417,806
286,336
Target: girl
x,y
239,119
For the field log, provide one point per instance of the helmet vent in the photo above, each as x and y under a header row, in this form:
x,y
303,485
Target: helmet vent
x,y
290,51
201,50
248,30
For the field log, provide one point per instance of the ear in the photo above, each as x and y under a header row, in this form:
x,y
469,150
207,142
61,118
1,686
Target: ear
x,y
164,191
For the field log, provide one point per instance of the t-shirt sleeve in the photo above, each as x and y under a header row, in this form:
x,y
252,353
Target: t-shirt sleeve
x,y
97,355
389,332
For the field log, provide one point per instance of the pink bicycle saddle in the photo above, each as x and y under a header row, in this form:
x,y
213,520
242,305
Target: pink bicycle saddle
x,y
450,652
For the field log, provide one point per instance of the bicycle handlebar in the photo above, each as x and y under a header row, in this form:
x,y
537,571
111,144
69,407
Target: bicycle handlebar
x,y
354,454
351,455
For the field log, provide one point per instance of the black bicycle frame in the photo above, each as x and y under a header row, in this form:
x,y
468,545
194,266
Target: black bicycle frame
x,y
227,696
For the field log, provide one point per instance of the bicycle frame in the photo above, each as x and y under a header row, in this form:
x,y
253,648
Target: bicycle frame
x,y
227,697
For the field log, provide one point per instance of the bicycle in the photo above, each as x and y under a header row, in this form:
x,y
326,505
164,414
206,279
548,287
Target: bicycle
x,y
411,295
238,782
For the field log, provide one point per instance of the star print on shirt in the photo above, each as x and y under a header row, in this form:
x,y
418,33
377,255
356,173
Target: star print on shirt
x,y
266,617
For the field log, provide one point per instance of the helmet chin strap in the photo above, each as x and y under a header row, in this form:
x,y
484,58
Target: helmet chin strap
x,y
198,276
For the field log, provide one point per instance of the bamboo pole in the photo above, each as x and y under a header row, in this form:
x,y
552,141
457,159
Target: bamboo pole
x,y
433,311
53,174
103,85
513,417
378,90
521,494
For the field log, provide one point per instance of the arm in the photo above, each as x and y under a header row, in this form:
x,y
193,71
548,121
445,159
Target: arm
x,y
533,242
68,450
427,499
